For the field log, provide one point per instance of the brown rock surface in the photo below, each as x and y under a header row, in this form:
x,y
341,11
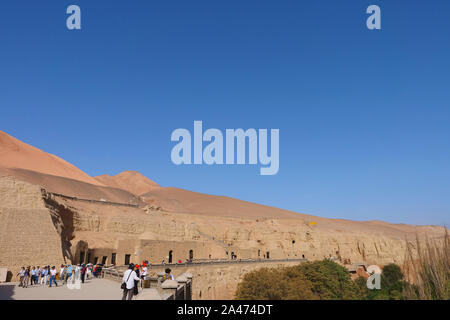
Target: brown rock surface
x,y
131,181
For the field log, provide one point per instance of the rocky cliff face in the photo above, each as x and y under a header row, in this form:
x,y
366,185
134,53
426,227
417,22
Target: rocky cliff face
x,y
38,228
345,241
29,234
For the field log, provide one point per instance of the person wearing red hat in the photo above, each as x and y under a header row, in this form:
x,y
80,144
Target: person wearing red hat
x,y
136,282
143,273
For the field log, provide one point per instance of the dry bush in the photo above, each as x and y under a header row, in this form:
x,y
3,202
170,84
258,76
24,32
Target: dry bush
x,y
427,269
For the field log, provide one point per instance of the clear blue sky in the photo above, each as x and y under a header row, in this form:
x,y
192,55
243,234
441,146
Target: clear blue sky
x,y
363,115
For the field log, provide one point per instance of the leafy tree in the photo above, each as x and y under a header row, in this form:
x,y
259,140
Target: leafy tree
x,y
308,281
330,280
262,284
392,284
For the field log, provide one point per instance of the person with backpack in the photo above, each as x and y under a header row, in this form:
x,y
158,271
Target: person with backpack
x,y
128,282
168,275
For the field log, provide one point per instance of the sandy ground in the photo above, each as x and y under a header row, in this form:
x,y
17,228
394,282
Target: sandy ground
x,y
95,289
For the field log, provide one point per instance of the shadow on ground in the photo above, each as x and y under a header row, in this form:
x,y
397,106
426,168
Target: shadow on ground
x,y
7,291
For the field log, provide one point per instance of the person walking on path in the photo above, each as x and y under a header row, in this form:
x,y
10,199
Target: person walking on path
x,y
32,276
83,273
62,273
26,277
44,276
21,275
38,274
128,280
53,276
69,273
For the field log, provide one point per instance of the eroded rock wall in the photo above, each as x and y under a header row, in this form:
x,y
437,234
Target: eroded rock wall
x,y
28,236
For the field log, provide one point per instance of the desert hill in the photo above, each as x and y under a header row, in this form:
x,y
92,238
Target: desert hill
x,y
184,201
39,227
29,164
132,181
17,154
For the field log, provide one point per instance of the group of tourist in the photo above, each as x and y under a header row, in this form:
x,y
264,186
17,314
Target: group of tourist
x,y
48,275
134,276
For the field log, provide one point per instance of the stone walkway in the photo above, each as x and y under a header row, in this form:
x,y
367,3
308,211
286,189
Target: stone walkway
x,y
94,289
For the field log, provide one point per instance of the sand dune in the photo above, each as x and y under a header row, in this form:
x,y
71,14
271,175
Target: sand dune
x,y
32,165
132,181
17,154
180,200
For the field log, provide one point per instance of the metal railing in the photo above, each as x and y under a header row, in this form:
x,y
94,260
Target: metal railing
x,y
202,262
180,291
94,201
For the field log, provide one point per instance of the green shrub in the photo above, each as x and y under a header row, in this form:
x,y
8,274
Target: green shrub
x,y
308,281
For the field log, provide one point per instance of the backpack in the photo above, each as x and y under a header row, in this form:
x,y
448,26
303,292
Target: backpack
x,y
123,286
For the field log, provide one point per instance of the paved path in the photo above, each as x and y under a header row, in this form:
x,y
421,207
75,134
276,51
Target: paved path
x,y
95,289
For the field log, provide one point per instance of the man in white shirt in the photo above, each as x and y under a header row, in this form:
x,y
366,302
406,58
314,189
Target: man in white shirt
x,y
128,278
53,276
144,274
21,274
144,271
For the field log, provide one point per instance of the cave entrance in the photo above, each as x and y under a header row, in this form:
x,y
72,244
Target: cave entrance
x,y
259,253
82,255
104,258
113,258
170,256
127,259
268,255
191,255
